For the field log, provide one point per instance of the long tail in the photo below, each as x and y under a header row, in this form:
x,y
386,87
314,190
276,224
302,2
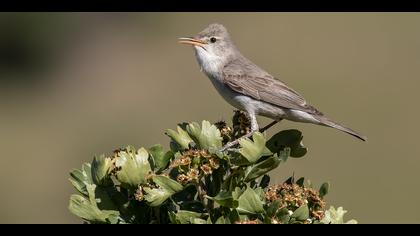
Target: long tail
x,y
329,123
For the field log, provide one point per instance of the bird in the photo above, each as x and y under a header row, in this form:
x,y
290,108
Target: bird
x,y
249,88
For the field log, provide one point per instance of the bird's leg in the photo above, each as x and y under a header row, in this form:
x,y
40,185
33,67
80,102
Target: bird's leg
x,y
254,128
269,125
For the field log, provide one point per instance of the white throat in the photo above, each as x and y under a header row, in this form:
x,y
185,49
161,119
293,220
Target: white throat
x,y
209,63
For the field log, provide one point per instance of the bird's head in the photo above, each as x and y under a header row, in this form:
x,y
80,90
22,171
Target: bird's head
x,y
213,43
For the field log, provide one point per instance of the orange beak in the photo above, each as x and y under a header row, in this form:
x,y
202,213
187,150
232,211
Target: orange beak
x,y
192,41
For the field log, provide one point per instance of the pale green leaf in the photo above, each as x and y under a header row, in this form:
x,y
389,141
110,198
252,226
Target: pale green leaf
x,y
224,198
87,207
133,167
168,184
181,137
254,150
207,136
167,187
81,207
222,220
336,216
186,217
261,168
301,214
155,196
101,167
79,178
250,202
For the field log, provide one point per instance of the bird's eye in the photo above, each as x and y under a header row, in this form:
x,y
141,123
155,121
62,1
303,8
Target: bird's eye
x,y
213,39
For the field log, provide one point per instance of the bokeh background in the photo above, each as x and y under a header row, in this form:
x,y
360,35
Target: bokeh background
x,y
73,85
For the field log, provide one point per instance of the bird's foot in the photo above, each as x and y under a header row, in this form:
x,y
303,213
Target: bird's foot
x,y
235,142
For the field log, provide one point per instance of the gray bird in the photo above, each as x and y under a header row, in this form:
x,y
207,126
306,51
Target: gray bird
x,y
248,87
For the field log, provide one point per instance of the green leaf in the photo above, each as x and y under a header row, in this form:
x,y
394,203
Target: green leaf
x,y
267,220
167,187
336,216
290,180
181,137
160,158
207,136
237,193
253,150
215,184
87,208
288,138
284,154
193,205
272,208
261,168
265,180
260,192
185,217
101,168
250,202
155,152
283,215
222,220
155,196
168,184
323,190
198,221
81,207
301,214
133,168
300,182
163,162
173,219
187,194
79,178
107,197
224,198
234,216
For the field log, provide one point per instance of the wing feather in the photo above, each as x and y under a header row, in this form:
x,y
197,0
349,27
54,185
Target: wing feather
x,y
246,78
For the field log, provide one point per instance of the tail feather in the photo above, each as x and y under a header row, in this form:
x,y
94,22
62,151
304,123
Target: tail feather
x,y
327,122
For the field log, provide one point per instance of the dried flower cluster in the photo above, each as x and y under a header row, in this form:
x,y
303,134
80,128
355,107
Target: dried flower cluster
x,y
194,164
139,195
225,131
248,222
292,196
241,124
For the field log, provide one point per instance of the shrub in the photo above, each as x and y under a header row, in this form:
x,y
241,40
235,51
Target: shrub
x,y
195,183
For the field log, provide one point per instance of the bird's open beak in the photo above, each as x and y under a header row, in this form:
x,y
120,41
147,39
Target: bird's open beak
x,y
192,41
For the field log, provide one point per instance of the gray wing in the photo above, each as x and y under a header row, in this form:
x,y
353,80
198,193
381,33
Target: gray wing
x,y
246,78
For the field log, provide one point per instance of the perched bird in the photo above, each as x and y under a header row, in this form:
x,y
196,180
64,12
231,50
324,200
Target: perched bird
x,y
248,87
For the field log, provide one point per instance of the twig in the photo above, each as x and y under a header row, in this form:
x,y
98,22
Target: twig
x,y
269,125
202,195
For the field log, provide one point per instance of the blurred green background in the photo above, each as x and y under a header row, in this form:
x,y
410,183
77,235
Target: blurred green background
x,y
73,85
